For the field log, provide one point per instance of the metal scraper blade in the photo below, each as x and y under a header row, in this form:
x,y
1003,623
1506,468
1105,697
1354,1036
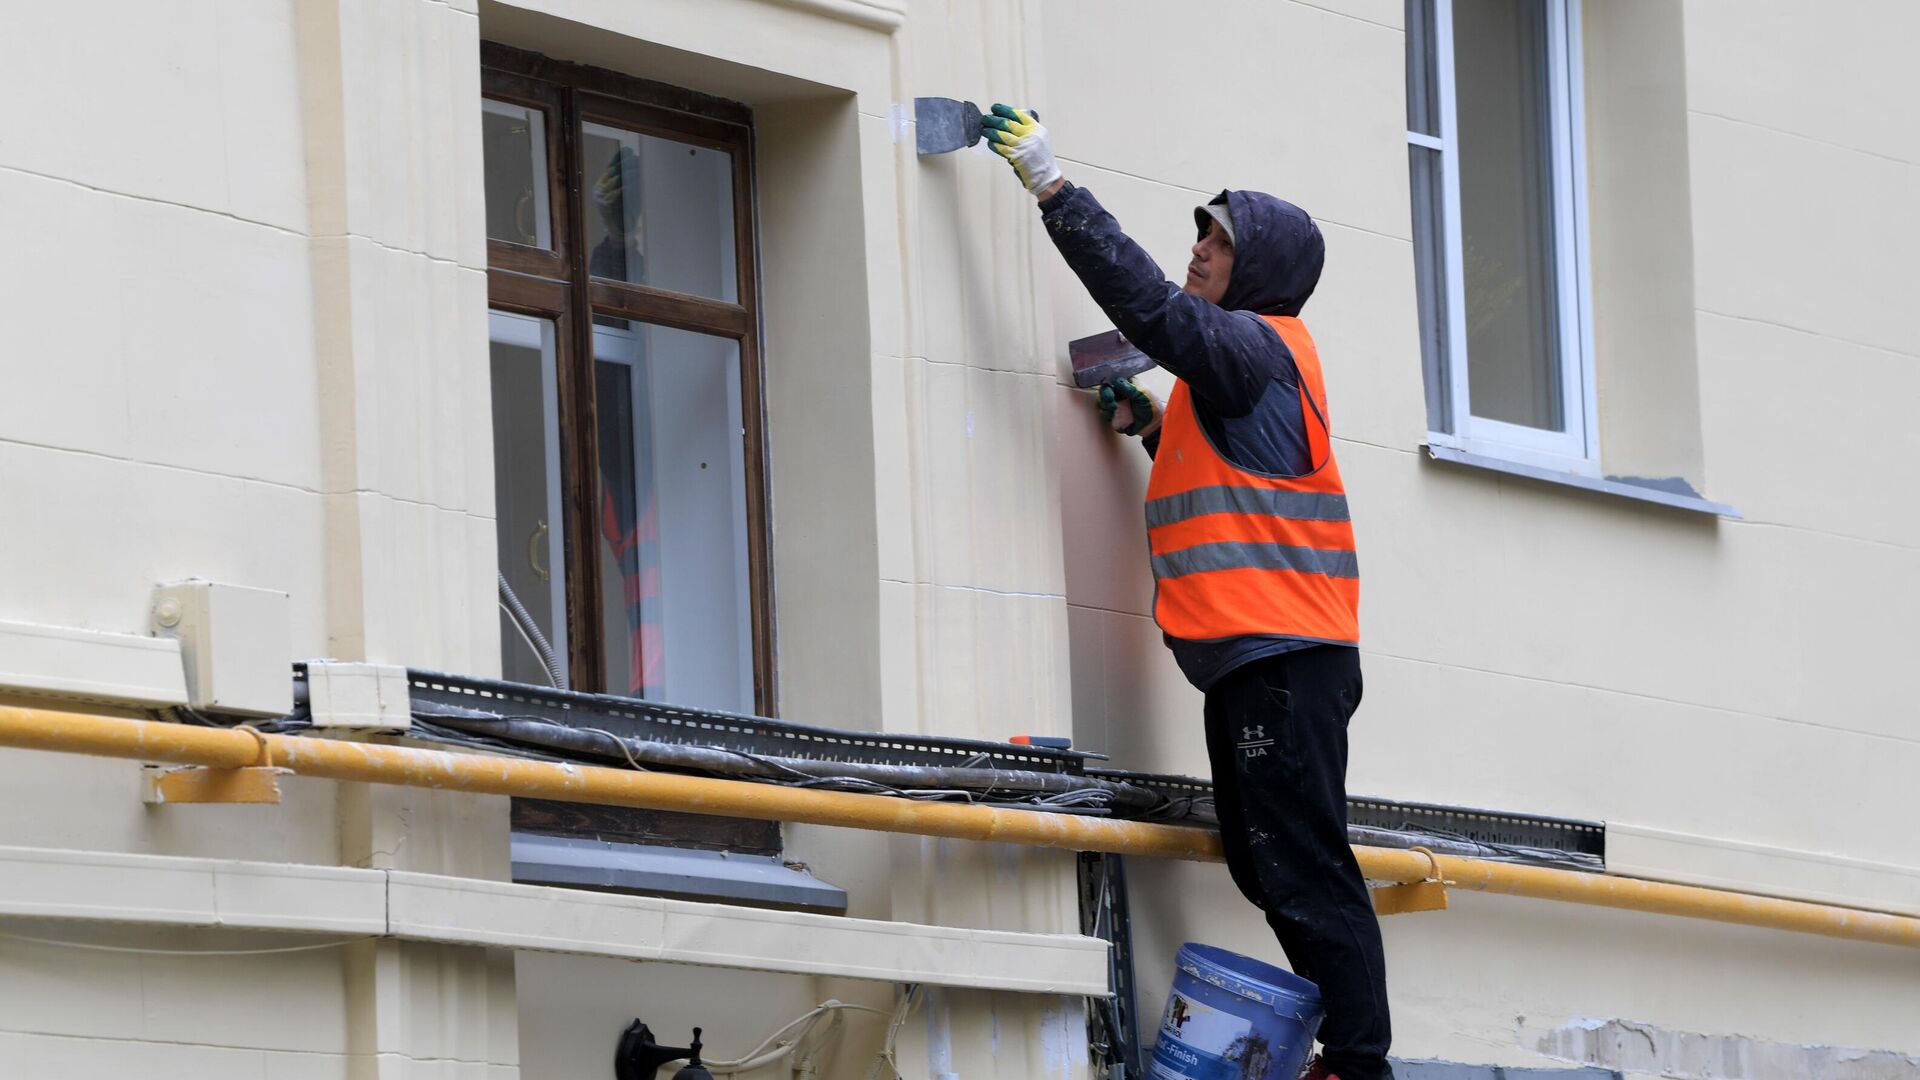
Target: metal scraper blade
x,y
1103,358
943,125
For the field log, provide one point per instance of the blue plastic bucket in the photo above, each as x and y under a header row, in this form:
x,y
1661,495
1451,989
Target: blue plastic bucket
x,y
1231,1017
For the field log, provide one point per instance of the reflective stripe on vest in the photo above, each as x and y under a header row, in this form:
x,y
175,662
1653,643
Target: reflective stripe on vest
x,y
1226,499
1202,558
1237,552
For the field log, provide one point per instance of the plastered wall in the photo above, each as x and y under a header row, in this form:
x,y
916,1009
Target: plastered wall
x,y
572,1007
238,346
245,288
298,401
248,305
1530,647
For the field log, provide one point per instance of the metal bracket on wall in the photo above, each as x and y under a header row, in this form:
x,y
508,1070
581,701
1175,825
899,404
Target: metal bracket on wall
x,y
257,784
194,784
1428,895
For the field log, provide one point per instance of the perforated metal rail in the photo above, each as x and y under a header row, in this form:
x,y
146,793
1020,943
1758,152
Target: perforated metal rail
x,y
1583,841
681,725
1483,827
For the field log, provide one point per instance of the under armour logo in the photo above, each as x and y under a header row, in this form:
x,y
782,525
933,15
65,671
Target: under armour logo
x,y
1254,741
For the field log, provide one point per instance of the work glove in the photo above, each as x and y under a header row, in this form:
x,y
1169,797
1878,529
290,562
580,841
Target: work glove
x,y
1016,134
1127,408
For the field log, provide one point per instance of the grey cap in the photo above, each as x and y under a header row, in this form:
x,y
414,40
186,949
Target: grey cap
x,y
1216,211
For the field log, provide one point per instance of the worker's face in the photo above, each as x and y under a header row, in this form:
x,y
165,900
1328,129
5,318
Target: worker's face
x,y
1211,267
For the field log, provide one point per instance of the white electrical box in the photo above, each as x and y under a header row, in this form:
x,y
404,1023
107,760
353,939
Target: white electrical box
x,y
362,697
236,643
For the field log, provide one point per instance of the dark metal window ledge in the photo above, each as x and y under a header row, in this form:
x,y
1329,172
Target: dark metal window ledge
x,y
678,873
1672,491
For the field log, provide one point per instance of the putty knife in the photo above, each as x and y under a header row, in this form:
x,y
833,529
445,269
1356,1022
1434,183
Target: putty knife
x,y
1103,358
942,125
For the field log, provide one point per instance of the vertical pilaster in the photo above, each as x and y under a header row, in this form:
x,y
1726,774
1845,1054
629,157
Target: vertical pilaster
x,y
390,100
974,607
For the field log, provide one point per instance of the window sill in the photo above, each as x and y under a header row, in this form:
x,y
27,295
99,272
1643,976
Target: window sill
x,y
676,873
1625,487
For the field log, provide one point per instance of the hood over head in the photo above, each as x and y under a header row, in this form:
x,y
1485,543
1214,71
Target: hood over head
x,y
1277,252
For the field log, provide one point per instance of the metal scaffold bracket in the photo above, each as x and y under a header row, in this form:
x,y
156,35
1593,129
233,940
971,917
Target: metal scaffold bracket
x,y
1427,895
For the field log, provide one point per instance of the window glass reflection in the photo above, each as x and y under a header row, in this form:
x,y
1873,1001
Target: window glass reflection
x,y
675,597
659,213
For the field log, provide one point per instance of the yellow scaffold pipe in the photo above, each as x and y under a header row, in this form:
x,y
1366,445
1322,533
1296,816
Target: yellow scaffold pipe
x,y
180,744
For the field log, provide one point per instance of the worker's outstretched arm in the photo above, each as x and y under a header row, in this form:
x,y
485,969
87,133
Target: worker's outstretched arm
x,y
1225,357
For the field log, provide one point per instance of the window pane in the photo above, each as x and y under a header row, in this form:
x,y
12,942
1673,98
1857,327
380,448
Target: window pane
x,y
659,213
1423,87
672,545
514,138
526,489
1506,202
1430,280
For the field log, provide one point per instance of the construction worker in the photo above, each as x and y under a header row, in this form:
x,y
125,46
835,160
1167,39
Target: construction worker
x,y
1256,581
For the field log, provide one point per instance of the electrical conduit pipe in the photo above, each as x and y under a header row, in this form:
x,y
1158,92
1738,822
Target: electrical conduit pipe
x,y
222,748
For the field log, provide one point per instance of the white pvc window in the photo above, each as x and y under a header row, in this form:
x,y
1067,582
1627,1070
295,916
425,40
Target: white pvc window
x,y
529,526
515,141
1497,164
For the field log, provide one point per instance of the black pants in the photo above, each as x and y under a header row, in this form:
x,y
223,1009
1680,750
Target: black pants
x,y
1277,738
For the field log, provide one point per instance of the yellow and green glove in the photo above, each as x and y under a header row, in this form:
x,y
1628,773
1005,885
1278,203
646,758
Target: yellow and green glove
x,y
1127,408
1017,135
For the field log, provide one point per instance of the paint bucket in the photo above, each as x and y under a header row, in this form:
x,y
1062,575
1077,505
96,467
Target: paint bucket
x,y
1231,1017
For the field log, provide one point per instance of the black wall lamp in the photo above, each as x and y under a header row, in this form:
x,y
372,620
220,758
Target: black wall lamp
x,y
639,1056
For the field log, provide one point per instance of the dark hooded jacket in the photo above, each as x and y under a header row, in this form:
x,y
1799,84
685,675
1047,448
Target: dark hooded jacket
x,y
1240,373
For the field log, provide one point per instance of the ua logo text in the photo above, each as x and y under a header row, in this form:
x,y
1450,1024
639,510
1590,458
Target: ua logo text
x,y
1254,741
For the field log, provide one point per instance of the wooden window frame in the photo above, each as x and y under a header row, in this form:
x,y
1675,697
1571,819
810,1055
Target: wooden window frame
x,y
557,284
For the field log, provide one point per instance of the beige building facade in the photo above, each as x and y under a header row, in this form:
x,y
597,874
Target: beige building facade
x,y
1624,438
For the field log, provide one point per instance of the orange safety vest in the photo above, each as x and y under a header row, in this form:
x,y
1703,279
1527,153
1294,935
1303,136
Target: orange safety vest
x,y
1236,552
